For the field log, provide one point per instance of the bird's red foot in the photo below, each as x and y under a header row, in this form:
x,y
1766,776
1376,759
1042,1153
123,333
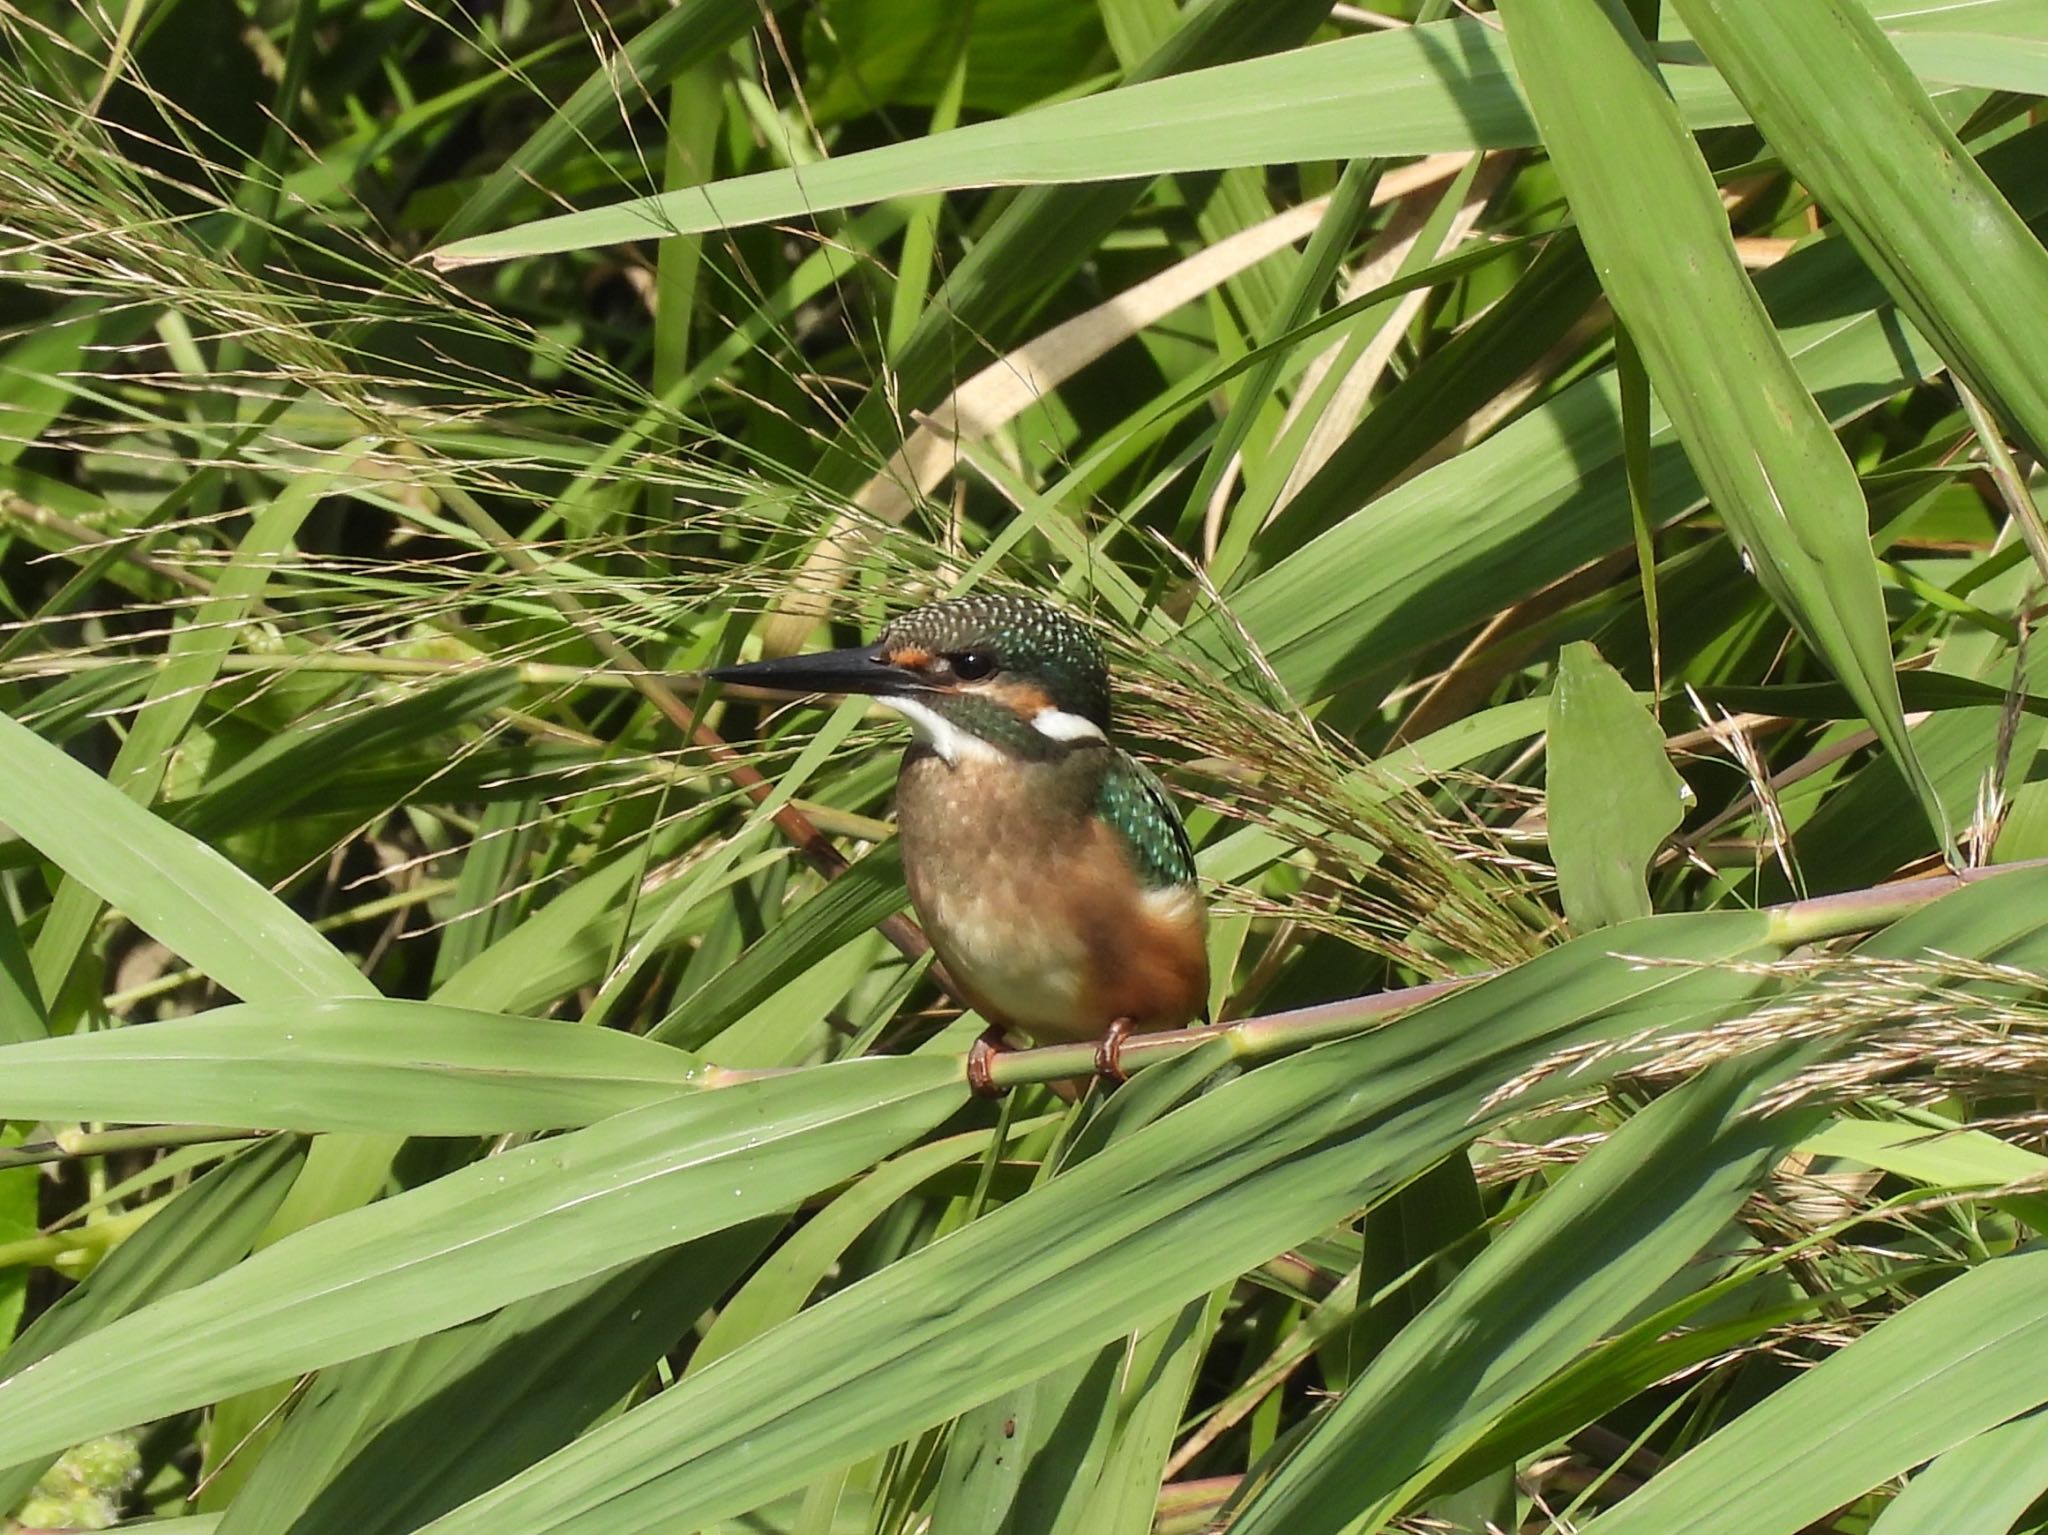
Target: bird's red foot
x,y
1109,1053
980,1056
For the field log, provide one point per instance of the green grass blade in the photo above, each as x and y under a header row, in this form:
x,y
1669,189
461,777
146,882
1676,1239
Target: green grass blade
x,y
176,889
778,1289
822,925
195,653
569,942
1591,1251
688,34
1418,90
1611,794
382,1445
294,765
412,1068
1947,1368
1039,240
528,1220
1548,493
1449,385
1835,99
1984,1483
204,1230
1182,1205
1654,226
22,1016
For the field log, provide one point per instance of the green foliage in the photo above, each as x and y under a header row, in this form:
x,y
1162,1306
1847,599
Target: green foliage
x,y
1612,793
400,407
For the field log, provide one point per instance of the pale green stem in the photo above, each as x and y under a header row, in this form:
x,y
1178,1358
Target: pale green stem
x,y
83,1143
75,1250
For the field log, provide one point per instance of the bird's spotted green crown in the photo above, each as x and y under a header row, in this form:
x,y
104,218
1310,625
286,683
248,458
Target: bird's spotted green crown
x,y
1030,638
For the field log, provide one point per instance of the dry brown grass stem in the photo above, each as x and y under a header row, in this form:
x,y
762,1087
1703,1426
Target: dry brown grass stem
x,y
1923,1030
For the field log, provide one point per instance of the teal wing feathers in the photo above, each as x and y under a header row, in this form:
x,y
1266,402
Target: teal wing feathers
x,y
1135,803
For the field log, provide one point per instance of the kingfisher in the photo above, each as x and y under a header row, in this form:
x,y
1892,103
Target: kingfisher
x,y
1049,868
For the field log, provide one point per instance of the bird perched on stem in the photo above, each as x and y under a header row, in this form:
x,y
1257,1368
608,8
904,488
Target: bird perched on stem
x,y
1049,868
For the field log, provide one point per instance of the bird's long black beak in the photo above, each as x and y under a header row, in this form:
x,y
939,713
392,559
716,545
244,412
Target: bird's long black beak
x,y
857,669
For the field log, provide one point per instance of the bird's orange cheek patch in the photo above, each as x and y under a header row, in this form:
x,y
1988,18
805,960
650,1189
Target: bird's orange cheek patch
x,y
1025,698
911,657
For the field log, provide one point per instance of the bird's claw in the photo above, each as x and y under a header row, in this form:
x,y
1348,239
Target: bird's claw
x,y
1109,1053
980,1055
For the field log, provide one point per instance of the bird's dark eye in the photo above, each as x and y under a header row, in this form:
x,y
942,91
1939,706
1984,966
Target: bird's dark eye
x,y
973,665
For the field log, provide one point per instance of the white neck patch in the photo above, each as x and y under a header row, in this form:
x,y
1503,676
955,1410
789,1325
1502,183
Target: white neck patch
x,y
1062,726
939,733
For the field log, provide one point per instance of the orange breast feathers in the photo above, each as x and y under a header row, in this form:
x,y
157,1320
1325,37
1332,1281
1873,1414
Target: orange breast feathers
x,y
1041,921
1148,958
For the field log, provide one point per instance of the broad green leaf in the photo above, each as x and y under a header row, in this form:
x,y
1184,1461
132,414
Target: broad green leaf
x,y
1589,1252
385,1443
827,921
1081,1449
1413,91
882,52
1983,1484
1653,223
1833,96
1933,691
527,1220
1119,1492
204,1230
1930,1378
1416,1241
1848,843
21,1001
178,890
1184,1204
196,650
1545,495
1952,1158
19,1191
787,1278
414,1068
1610,792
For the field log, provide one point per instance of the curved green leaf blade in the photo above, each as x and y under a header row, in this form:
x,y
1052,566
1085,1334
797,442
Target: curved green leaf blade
x,y
543,1215
204,1230
412,1068
295,764
22,1016
1983,1484
384,1444
1546,494
1121,1241
1947,1368
1833,96
1611,793
687,34
195,652
1420,90
1655,228
1592,1250
175,888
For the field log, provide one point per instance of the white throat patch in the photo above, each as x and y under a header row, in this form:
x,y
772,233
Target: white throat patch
x,y
939,733
1062,726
